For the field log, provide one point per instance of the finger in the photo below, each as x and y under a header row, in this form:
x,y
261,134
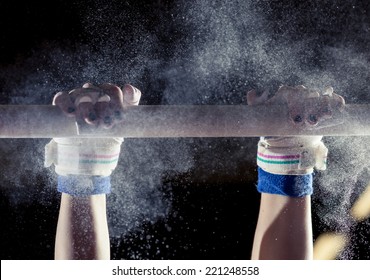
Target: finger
x,y
131,95
334,101
105,114
253,98
114,92
64,102
116,101
328,92
312,119
318,109
337,102
323,107
104,111
287,91
301,87
330,102
311,94
289,95
296,114
86,112
91,94
89,85
301,91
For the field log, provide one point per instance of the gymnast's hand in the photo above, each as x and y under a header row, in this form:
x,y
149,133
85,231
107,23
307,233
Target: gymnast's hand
x,y
93,106
99,106
307,109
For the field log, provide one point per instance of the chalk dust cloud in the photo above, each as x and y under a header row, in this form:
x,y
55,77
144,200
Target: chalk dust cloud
x,y
194,52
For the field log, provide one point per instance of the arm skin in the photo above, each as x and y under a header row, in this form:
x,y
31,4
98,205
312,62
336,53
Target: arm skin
x,y
82,230
284,229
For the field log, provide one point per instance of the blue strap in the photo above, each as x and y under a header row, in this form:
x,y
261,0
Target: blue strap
x,y
77,185
288,185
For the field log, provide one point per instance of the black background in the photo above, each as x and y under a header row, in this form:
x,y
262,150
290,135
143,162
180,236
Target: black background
x,y
210,207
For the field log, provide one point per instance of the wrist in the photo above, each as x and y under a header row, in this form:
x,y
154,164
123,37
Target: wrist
x,y
81,185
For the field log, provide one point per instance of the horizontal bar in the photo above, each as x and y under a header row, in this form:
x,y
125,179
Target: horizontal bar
x,y
148,121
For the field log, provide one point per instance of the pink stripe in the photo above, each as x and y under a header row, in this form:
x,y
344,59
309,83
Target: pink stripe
x,y
90,155
99,156
279,157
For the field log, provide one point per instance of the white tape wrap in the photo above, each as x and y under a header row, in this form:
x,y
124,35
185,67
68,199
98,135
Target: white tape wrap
x,y
77,156
291,155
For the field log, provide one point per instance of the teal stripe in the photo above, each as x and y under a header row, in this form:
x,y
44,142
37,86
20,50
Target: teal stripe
x,y
98,161
278,162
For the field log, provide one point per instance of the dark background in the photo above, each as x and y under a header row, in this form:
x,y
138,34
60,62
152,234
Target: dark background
x,y
180,198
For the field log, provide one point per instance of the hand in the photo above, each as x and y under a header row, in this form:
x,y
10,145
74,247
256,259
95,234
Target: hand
x,y
307,108
97,106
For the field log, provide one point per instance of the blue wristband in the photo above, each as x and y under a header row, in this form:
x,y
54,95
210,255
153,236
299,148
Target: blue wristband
x,y
288,185
77,185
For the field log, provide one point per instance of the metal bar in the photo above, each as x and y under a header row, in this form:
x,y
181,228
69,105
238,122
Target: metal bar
x,y
148,121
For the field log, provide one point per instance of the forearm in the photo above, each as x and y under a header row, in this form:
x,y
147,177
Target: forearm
x,y
82,230
284,228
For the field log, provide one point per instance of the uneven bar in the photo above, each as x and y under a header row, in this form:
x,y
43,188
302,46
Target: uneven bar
x,y
148,121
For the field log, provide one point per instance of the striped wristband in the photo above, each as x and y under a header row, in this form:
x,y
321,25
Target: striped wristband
x,y
291,155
